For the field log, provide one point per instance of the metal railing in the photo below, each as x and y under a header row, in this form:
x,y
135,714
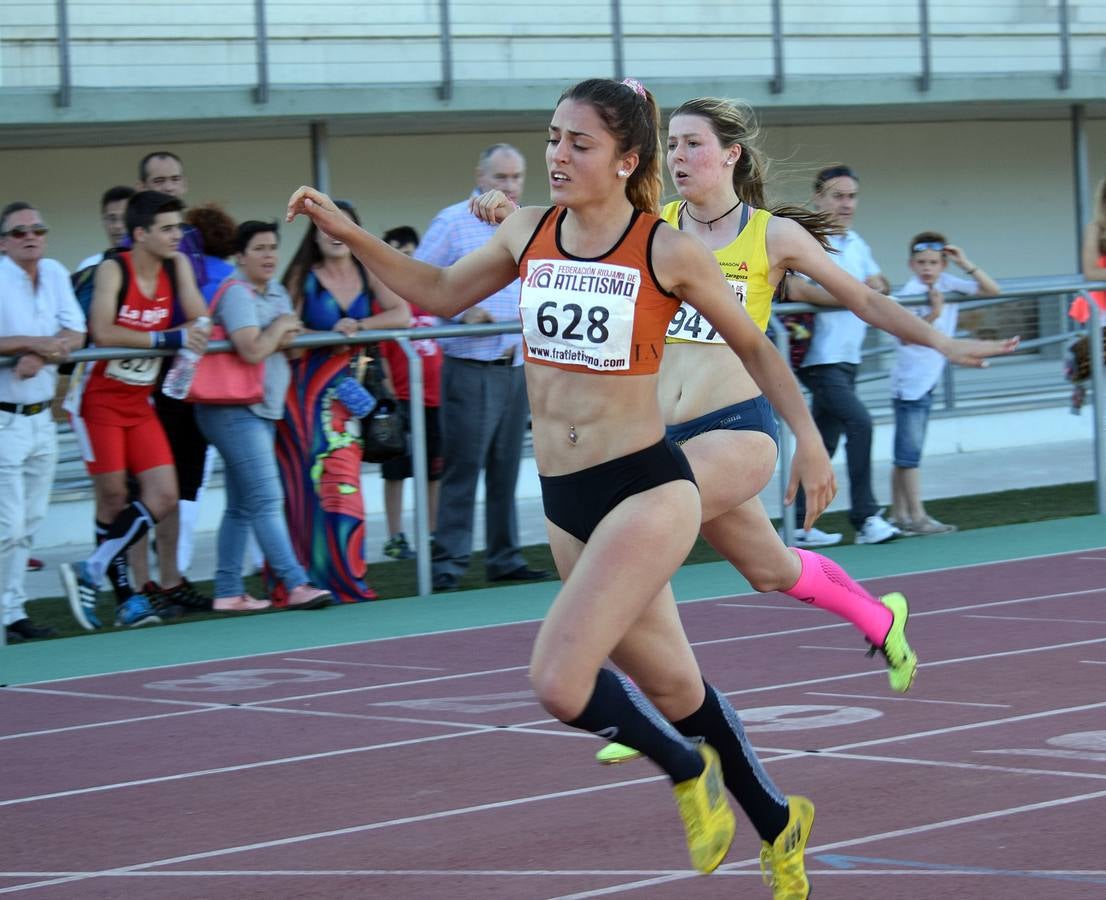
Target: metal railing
x,y
260,43
1063,288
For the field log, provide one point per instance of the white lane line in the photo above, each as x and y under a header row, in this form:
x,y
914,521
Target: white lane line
x,y
1094,662
1040,619
245,767
299,873
852,842
827,647
928,665
930,612
947,764
401,637
131,721
370,717
900,699
91,695
342,662
457,676
337,832
952,729
790,607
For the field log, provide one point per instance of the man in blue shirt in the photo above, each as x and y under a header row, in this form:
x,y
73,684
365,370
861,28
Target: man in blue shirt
x,y
484,407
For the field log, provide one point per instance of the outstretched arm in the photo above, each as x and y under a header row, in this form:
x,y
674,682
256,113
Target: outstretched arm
x,y
442,291
792,247
688,269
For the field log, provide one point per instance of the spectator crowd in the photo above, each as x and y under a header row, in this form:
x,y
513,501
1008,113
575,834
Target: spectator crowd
x,y
293,452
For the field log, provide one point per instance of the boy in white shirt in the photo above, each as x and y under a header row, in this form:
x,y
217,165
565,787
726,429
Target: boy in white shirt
x,y
917,370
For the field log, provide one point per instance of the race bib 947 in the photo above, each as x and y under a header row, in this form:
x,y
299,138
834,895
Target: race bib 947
x,y
689,324
579,313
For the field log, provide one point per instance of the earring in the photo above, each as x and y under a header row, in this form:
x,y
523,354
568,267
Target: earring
x,y
622,173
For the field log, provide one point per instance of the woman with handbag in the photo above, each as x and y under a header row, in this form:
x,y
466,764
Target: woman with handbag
x,y
319,440
256,313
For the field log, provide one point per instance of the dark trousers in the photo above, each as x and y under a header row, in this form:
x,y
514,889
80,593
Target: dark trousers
x,y
483,415
837,411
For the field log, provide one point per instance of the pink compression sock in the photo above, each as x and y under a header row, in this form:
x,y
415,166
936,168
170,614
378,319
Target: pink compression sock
x,y
825,584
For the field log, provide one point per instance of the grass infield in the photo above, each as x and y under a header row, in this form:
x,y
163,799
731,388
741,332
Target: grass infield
x,y
393,580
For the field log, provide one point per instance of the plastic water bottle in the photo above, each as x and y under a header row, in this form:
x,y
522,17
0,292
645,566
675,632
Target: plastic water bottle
x,y
178,381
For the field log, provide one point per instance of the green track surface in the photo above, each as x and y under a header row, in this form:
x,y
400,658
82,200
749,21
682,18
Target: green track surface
x,y
223,638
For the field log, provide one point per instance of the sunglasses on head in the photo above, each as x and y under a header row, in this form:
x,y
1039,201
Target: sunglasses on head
x,y
928,245
21,231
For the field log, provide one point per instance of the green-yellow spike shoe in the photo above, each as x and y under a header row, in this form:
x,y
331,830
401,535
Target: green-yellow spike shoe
x,y
708,820
781,862
613,753
902,661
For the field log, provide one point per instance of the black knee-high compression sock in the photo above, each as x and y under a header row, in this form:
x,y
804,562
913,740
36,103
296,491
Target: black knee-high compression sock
x,y
618,711
118,571
126,528
717,722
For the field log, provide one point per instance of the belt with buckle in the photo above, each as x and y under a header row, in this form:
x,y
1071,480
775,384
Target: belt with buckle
x,y
25,409
498,361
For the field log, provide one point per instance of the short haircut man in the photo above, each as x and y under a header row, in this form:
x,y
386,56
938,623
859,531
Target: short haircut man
x,y
162,171
40,322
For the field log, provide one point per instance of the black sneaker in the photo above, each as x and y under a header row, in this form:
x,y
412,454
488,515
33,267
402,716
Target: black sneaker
x,y
163,605
186,595
28,630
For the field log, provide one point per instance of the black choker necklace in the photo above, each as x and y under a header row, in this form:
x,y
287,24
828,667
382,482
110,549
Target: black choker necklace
x,y
710,222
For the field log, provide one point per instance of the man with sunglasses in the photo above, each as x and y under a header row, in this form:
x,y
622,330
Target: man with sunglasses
x,y
40,322
830,366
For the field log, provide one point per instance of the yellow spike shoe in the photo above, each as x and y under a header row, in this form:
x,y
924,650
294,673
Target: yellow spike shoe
x,y
613,753
902,661
781,862
708,819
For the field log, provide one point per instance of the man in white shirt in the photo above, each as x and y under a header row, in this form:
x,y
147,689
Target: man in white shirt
x,y
40,322
830,366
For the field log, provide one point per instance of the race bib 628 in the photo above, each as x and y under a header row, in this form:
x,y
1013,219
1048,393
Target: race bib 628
x,y
579,313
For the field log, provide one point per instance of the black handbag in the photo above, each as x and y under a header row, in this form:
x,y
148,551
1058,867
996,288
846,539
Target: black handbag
x,y
383,433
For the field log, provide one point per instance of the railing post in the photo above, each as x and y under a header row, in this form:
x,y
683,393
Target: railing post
x,y
617,40
445,89
64,96
777,47
320,157
787,441
1098,387
926,77
418,467
261,92
1081,179
1064,11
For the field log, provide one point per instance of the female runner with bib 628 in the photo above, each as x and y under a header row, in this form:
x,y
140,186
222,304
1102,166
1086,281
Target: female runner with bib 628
x,y
601,279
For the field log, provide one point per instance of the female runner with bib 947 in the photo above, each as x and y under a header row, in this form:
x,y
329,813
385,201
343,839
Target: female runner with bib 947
x,y
601,278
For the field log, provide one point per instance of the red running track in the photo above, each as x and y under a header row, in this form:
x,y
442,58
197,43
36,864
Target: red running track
x,y
423,767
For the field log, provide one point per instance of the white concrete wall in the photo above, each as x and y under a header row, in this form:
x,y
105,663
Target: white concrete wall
x,y
380,41
1002,189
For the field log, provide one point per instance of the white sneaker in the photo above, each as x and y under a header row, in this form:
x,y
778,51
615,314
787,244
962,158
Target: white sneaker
x,y
876,530
814,537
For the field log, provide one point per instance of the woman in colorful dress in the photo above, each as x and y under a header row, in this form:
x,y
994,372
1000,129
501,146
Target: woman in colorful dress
x,y
319,440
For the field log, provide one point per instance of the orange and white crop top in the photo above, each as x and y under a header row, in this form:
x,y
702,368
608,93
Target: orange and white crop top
x,y
606,315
